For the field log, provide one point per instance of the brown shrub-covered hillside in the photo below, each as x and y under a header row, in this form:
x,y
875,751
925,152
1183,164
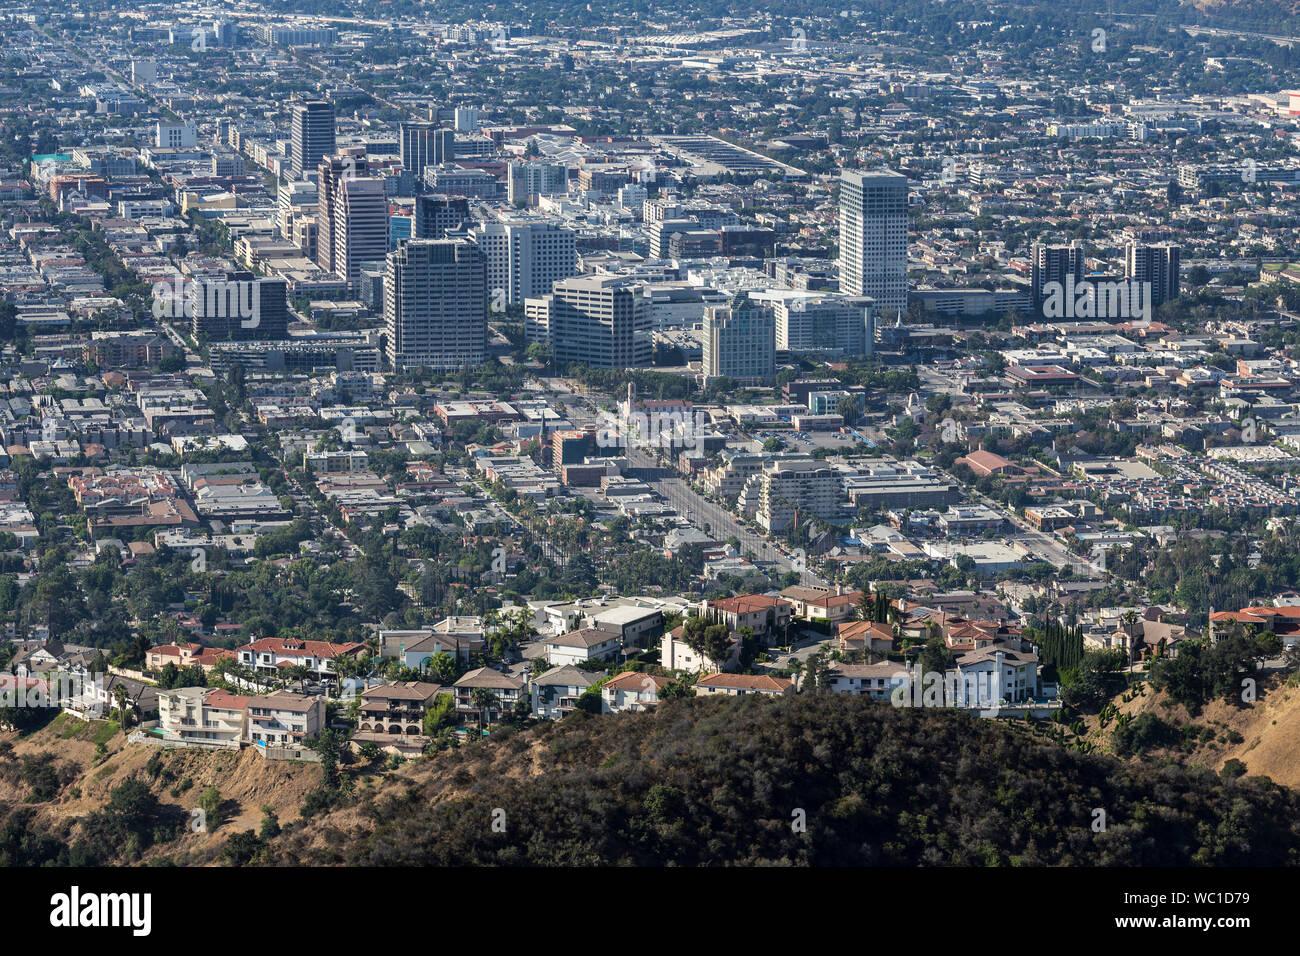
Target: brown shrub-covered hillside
x,y
720,781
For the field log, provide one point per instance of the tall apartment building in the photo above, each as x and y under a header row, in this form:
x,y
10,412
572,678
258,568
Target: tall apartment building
x,y
313,135
536,179
601,321
873,237
1157,264
435,304
791,491
525,257
422,144
740,343
238,307
434,215
351,215
1054,264
822,321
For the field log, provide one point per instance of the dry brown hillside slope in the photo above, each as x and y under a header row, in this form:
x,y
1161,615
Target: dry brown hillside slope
x,y
246,780
1265,735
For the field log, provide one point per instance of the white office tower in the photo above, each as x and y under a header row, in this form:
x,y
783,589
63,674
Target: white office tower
x,y
821,321
873,237
175,135
436,304
530,180
632,197
740,343
466,119
525,257
360,225
601,321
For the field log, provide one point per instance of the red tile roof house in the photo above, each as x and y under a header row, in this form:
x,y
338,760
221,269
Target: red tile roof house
x,y
864,636
269,654
631,690
183,655
768,616
1282,621
733,685
822,604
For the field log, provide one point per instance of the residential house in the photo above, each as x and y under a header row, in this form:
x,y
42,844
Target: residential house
x,y
865,636
284,719
392,715
631,690
822,604
584,644
876,681
503,687
269,655
186,655
735,685
676,654
202,716
768,616
555,693
413,648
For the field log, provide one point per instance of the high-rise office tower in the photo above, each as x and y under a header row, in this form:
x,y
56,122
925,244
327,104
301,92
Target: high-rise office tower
x,y
873,237
601,321
434,215
525,256
1158,264
239,306
526,180
740,343
416,143
1054,264
822,321
313,135
435,304
351,215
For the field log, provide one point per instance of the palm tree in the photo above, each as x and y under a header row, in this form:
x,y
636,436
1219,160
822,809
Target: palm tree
x,y
1130,619
484,700
122,699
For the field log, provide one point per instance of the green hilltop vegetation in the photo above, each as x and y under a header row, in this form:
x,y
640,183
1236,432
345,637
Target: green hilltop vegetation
x,y
718,781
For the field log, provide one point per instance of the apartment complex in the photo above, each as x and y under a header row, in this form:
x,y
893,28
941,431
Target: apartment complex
x,y
873,237
739,343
